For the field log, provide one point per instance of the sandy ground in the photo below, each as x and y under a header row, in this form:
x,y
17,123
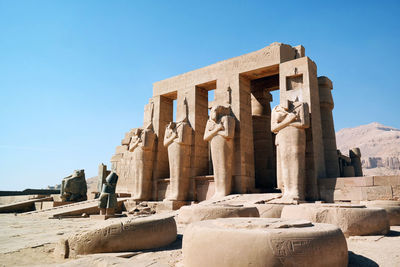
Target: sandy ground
x,y
30,241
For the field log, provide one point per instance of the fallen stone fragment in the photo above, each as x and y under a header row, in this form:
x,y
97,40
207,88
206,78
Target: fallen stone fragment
x,y
195,213
352,219
263,242
121,236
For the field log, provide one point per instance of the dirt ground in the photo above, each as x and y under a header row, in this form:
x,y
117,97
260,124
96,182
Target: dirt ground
x,y
30,241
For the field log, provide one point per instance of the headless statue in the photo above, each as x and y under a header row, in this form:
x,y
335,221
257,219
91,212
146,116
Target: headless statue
x,y
178,139
141,144
220,131
108,199
73,187
289,123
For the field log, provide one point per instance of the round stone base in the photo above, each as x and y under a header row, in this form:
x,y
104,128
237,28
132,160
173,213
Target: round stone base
x,y
263,242
392,208
352,219
121,235
195,213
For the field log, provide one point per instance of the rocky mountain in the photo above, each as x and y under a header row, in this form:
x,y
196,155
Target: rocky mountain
x,y
379,144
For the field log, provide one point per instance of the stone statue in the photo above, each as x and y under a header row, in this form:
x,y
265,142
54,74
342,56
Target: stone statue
x,y
220,131
289,122
178,139
141,144
108,199
73,187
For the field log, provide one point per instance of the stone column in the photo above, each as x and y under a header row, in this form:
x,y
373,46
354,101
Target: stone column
x,y
243,159
298,82
328,128
264,162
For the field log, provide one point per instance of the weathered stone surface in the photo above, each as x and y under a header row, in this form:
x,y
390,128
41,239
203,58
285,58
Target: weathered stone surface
x,y
263,242
121,235
220,130
352,219
178,139
199,212
73,187
392,208
268,210
288,122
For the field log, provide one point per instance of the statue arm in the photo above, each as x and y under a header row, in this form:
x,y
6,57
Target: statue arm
x,y
133,145
169,137
209,134
276,125
303,117
228,124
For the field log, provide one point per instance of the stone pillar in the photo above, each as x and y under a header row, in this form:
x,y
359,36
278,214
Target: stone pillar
x,y
264,160
328,128
298,81
240,98
162,115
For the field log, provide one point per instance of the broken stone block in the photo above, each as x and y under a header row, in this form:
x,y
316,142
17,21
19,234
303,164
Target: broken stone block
x,y
194,213
263,242
121,235
352,219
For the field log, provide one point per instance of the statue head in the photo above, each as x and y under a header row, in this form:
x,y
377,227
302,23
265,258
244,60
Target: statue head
x,y
78,173
171,125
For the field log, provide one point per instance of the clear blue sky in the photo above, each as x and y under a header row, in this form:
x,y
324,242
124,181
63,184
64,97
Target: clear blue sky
x,y
75,75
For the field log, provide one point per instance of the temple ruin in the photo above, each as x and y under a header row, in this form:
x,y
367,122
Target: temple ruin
x,y
176,161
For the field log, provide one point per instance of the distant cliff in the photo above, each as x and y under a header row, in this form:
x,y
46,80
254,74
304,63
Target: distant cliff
x,y
379,144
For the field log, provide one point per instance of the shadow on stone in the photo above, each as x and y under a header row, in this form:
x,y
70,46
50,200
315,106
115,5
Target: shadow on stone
x,y
393,233
356,260
177,244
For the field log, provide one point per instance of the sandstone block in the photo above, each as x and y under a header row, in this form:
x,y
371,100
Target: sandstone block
x,y
195,213
352,219
121,235
263,242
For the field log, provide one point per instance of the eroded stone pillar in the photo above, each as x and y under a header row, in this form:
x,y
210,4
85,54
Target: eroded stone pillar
x,y
289,123
220,131
142,144
328,128
298,80
178,139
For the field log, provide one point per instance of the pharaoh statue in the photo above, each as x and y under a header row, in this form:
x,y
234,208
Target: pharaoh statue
x,y
73,187
289,121
178,139
108,199
219,132
141,144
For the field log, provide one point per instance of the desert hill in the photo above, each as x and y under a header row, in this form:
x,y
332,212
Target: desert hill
x,y
379,144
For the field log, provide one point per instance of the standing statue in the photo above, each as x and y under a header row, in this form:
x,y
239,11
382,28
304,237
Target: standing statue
x,y
73,187
141,144
108,199
178,139
289,123
220,130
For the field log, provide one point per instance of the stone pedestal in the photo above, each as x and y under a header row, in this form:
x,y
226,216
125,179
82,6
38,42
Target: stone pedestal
x,y
392,208
263,242
201,212
352,219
